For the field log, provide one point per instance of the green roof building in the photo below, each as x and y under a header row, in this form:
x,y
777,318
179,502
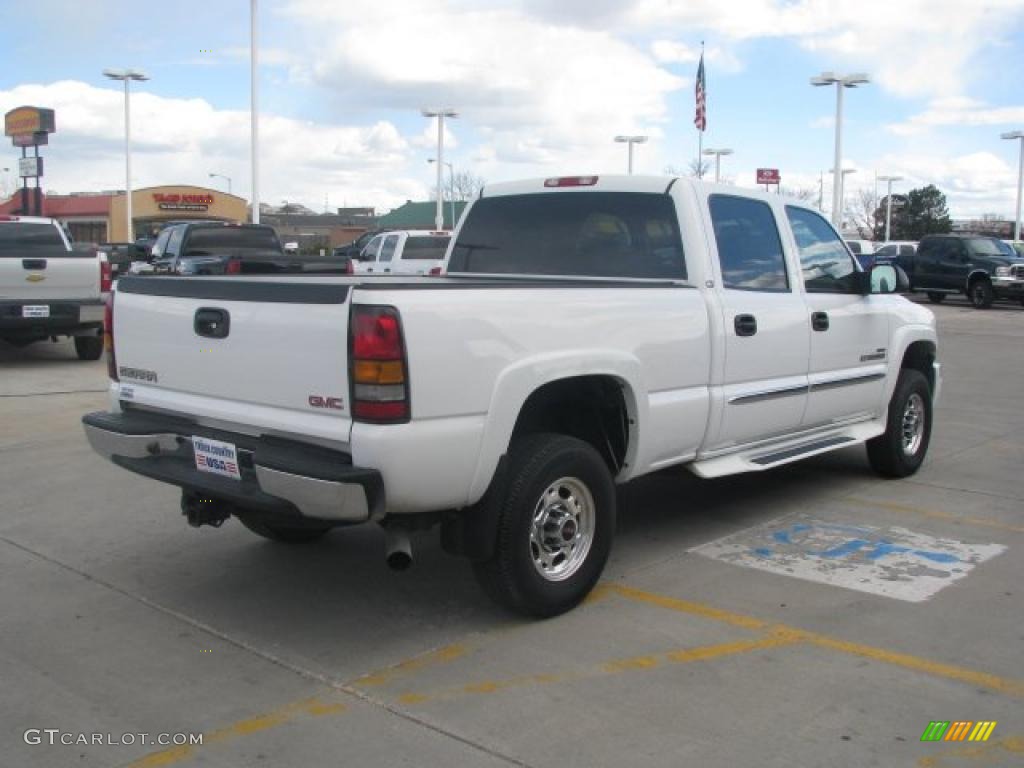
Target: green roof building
x,y
420,215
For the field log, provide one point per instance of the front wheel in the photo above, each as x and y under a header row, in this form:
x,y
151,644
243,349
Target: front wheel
x,y
900,450
981,294
555,526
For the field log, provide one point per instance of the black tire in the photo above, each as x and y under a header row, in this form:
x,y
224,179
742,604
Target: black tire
x,y
980,294
513,576
89,347
284,534
936,298
894,453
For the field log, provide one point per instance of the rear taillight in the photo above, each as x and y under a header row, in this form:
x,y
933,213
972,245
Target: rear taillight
x,y
106,277
380,387
108,338
350,268
435,271
233,267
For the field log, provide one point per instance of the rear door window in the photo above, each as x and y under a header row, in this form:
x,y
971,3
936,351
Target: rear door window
x,y
387,251
226,239
592,234
749,247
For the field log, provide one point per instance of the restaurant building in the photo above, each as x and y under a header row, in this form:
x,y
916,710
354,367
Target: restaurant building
x,y
99,217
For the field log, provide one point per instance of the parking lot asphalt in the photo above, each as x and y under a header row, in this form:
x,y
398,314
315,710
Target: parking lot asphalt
x,y
119,619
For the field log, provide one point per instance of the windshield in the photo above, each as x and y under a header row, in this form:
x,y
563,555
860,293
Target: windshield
x,y
600,234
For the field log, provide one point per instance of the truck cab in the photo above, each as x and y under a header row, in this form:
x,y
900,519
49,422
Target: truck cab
x,y
404,252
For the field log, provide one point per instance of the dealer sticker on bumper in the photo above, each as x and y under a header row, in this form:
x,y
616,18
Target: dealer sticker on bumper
x,y
216,457
35,310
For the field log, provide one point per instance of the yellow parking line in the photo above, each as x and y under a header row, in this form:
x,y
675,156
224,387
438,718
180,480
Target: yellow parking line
x,y
935,513
989,752
389,674
776,637
1007,686
313,707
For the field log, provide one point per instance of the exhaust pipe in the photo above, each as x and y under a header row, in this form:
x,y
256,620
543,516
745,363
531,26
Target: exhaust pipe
x,y
397,548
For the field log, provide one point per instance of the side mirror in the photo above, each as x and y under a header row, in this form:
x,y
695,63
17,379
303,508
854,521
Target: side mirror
x,y
885,278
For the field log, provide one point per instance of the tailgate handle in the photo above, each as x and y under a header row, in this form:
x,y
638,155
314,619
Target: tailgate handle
x,y
212,323
33,263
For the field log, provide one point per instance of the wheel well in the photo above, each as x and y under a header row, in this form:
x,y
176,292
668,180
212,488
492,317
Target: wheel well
x,y
920,355
591,408
976,276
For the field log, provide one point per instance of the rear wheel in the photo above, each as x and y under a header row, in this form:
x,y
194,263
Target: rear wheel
x,y
284,533
935,297
89,347
555,526
901,449
980,294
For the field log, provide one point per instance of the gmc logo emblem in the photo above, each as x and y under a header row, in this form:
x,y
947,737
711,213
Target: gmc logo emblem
x,y
316,401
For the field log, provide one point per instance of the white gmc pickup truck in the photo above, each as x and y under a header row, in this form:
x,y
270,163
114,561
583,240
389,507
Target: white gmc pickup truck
x,y
588,330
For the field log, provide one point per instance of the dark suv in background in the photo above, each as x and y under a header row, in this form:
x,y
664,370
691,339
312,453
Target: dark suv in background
x,y
982,268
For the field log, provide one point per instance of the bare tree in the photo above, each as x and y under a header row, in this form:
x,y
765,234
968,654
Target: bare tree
x,y
465,185
861,213
698,167
804,194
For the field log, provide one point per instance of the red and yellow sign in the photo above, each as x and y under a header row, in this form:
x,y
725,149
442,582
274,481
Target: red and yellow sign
x,y
182,202
24,121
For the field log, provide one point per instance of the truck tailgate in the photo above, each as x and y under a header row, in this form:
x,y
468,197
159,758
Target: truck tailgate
x,y
270,354
57,276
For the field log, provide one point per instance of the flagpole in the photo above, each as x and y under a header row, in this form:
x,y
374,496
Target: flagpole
x,y
700,129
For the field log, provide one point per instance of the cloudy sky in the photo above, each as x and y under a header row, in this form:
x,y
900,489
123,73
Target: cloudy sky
x,y
541,86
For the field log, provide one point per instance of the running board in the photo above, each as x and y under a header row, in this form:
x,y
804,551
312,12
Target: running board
x,y
759,458
807,449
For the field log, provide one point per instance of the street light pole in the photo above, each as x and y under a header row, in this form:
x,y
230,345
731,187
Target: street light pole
x,y
1019,135
718,160
841,185
222,176
126,76
254,114
440,114
451,185
888,202
841,82
630,141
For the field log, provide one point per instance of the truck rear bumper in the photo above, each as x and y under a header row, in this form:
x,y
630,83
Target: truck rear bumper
x,y
63,318
279,478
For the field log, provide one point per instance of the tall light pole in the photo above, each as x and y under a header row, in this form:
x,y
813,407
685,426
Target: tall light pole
x,y
254,114
630,141
841,82
440,113
1020,178
126,76
222,176
839,183
451,184
718,160
888,202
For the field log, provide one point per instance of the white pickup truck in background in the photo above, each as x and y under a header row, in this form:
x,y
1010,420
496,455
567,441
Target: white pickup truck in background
x,y
404,252
49,287
587,331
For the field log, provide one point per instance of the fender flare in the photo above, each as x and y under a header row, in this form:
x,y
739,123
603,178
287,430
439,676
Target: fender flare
x,y
901,341
516,383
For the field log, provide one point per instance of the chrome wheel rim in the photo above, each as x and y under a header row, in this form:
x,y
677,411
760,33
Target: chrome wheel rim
x,y
913,424
562,529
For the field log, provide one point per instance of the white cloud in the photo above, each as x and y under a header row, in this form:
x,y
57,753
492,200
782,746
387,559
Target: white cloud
x,y
183,140
959,112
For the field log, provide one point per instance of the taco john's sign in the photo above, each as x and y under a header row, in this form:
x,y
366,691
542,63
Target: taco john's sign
x,y
183,202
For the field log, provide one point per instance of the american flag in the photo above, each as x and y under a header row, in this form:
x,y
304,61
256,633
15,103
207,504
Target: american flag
x,y
700,119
